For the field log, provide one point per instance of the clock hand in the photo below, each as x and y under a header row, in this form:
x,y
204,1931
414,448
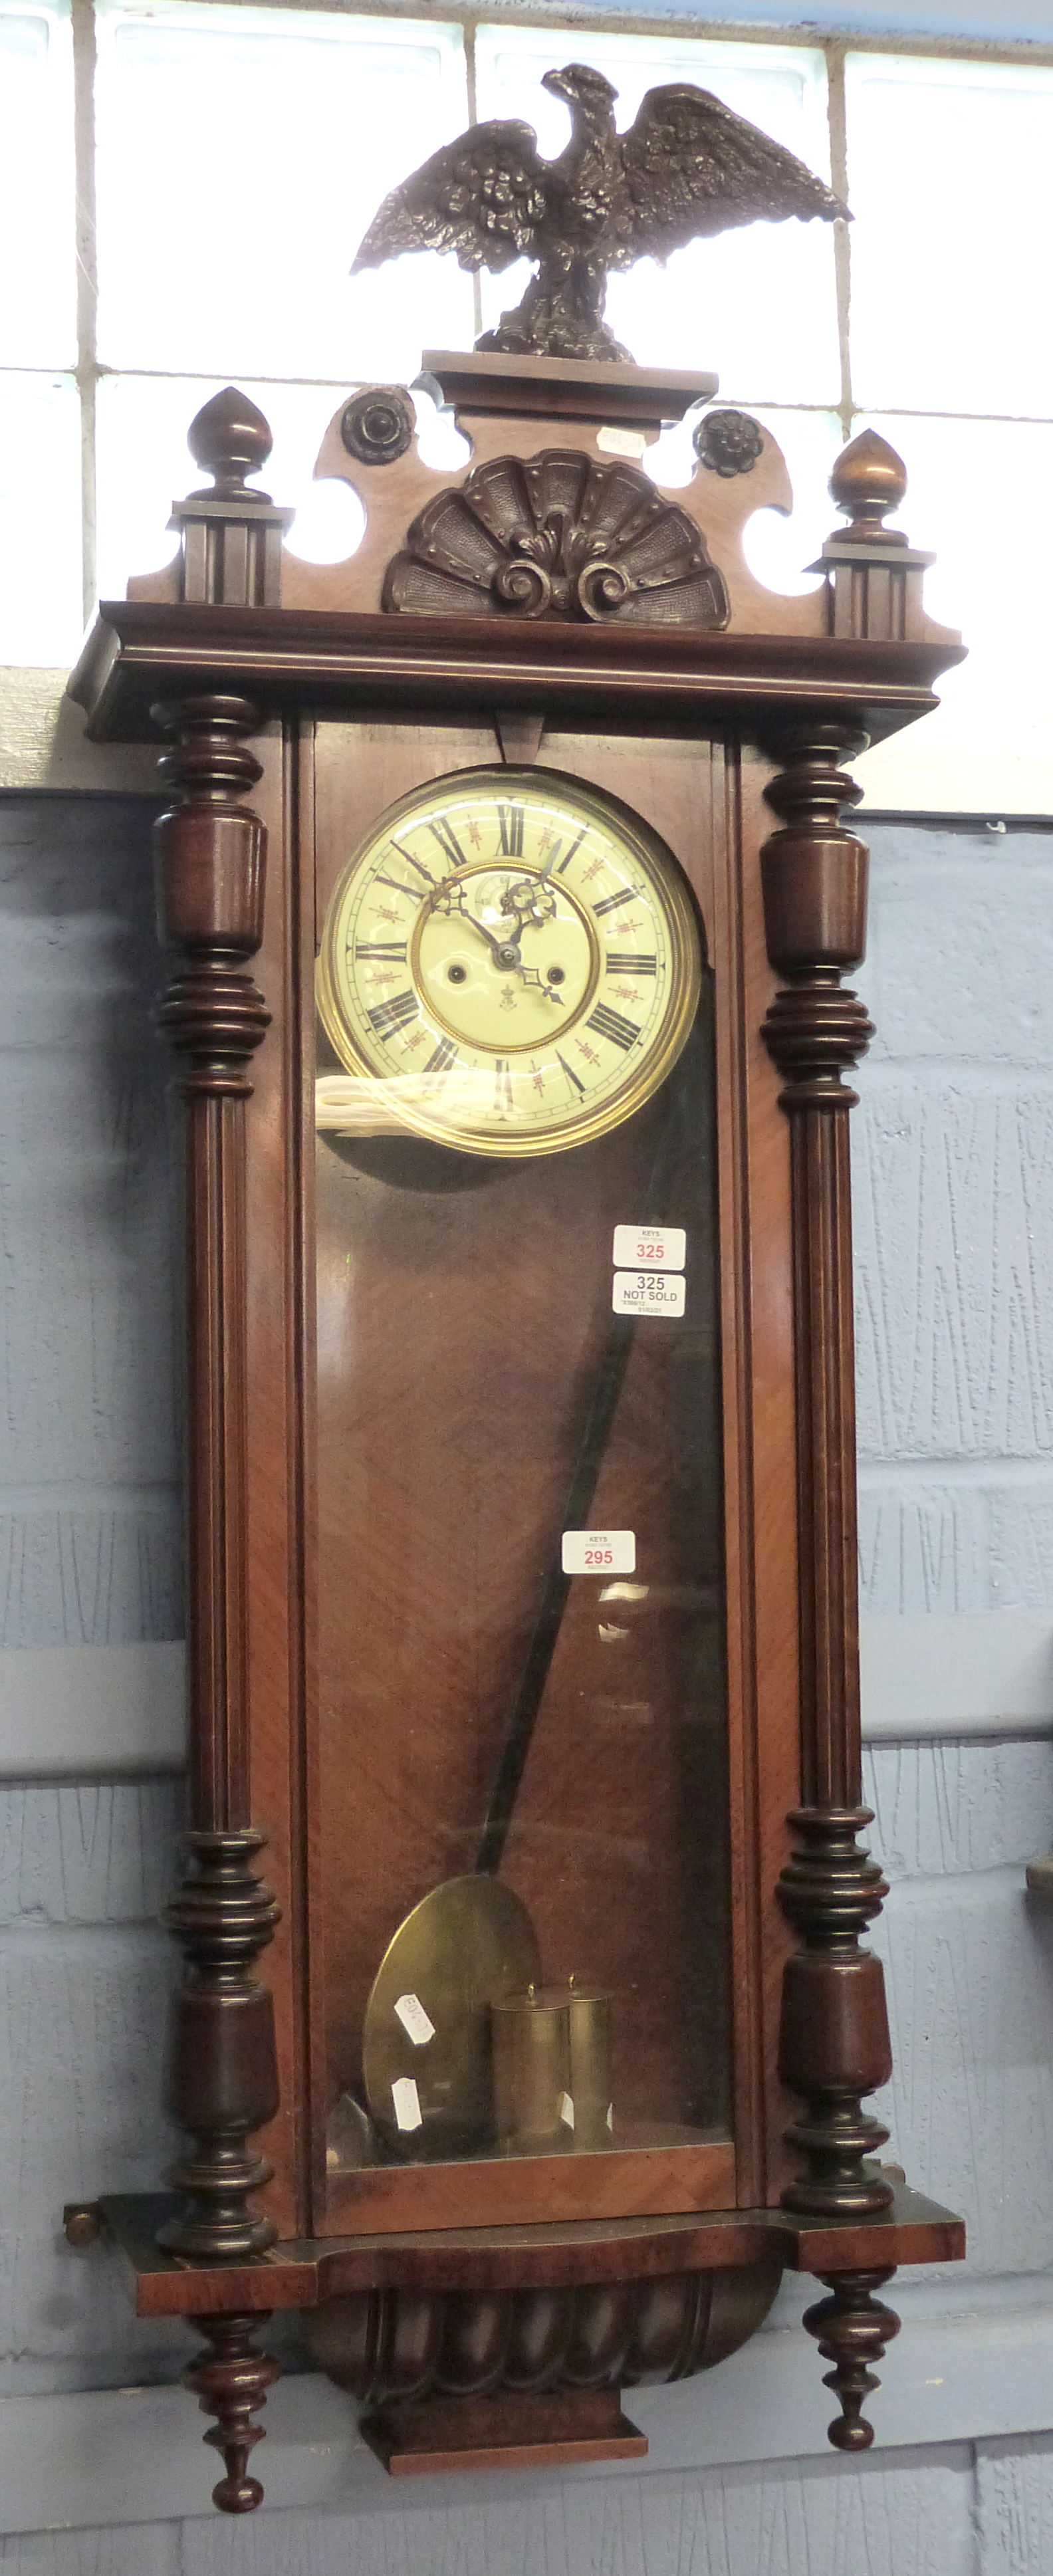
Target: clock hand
x,y
506,953
450,899
530,976
529,903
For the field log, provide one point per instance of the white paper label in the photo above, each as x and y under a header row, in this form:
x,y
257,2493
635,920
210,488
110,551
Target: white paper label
x,y
599,1551
648,1292
406,2103
621,442
566,2110
414,2020
610,2117
650,1247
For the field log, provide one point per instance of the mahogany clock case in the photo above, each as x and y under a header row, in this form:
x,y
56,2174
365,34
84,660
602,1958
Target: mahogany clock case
x,y
454,1318
406,1380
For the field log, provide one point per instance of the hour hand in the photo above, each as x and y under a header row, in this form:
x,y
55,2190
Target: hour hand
x,y
530,976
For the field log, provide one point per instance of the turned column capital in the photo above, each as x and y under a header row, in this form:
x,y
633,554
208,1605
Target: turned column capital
x,y
814,884
210,854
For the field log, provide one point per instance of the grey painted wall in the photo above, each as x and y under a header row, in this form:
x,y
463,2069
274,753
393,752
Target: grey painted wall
x,y
954,1148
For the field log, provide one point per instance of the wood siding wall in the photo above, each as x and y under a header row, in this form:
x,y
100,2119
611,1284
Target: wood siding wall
x,y
954,1159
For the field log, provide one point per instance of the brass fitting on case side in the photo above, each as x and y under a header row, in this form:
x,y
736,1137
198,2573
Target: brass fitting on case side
x,y
83,2223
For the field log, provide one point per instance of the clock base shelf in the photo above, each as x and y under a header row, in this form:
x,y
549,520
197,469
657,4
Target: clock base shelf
x,y
510,2432
458,2326
303,2274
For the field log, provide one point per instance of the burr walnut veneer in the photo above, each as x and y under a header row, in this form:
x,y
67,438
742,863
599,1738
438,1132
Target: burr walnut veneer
x,y
404,1377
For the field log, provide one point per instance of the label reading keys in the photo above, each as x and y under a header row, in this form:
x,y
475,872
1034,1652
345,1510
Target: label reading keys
x,y
649,1247
648,1292
599,1551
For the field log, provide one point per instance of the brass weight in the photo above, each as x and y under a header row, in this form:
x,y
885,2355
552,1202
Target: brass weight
x,y
531,2070
591,2066
552,2059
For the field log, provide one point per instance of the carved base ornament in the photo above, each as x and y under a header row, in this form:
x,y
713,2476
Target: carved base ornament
x,y
383,2346
527,2026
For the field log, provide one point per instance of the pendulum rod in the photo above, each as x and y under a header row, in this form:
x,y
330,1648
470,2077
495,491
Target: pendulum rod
x,y
600,1411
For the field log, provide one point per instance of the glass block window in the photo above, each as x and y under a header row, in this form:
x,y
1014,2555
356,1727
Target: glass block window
x,y
943,262
220,274
38,303
152,262
947,362
40,453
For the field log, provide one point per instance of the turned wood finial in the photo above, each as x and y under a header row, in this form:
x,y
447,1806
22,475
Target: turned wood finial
x,y
873,575
231,2383
852,2329
868,480
230,438
231,536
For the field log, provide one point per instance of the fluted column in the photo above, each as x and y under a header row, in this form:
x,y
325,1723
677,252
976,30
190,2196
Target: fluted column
x,y
834,2042
210,852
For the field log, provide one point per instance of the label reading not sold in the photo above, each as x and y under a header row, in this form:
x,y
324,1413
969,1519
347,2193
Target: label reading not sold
x,y
648,1292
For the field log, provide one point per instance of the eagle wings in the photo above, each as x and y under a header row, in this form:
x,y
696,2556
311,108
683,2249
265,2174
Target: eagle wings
x,y
687,166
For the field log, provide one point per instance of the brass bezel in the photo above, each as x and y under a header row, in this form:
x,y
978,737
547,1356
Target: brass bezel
x,y
673,894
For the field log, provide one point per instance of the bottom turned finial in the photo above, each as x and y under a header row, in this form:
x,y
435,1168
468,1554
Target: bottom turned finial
x,y
230,2383
852,2329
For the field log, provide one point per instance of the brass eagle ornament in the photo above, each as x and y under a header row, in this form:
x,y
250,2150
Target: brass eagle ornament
x,y
687,166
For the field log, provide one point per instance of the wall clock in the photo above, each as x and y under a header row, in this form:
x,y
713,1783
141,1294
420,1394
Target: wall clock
x,y
519,960
528,2019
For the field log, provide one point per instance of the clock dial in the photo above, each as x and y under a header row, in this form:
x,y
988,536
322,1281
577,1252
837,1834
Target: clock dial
x,y
514,959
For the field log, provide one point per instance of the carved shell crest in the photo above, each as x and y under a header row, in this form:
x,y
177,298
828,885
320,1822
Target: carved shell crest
x,y
559,536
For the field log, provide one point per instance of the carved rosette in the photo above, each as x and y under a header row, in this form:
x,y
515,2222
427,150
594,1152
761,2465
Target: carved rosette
x,y
377,426
728,443
557,536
